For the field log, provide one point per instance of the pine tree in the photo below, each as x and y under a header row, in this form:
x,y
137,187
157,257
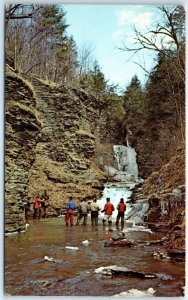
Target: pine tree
x,y
133,97
98,80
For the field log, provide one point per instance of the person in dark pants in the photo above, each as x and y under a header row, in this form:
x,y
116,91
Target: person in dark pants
x,y
94,207
44,204
121,212
83,209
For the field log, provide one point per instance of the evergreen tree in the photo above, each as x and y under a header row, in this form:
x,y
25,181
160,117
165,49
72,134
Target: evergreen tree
x,y
134,100
94,81
98,80
166,95
134,116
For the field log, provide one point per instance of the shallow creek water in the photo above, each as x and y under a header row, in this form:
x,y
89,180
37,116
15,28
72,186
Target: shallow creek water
x,y
26,272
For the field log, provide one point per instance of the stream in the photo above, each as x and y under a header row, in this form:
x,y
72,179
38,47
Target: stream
x,y
72,271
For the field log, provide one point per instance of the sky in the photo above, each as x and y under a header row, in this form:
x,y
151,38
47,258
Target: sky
x,y
105,28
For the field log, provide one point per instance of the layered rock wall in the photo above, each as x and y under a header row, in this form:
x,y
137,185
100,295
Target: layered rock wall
x,y
164,191
50,145
21,131
64,164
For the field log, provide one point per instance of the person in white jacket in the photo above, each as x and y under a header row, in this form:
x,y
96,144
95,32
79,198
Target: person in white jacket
x,y
94,207
83,209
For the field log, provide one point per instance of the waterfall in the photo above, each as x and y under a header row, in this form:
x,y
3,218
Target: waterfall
x,y
138,211
132,167
127,168
121,157
135,213
125,175
127,142
114,192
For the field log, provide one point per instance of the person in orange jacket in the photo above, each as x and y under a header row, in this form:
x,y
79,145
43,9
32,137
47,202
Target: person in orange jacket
x,y
108,211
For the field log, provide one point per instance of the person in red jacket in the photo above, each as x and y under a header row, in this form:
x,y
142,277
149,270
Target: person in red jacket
x,y
121,212
36,208
108,211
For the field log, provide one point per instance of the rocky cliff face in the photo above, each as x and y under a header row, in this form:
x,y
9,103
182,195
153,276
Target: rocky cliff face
x,y
50,145
110,132
165,193
63,164
22,128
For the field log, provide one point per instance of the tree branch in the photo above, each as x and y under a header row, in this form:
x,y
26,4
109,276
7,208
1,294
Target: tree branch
x,y
19,16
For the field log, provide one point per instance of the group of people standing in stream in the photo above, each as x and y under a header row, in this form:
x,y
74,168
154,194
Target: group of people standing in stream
x,y
40,204
84,208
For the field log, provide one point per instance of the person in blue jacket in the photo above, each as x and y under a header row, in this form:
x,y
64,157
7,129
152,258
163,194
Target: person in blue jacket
x,y
69,217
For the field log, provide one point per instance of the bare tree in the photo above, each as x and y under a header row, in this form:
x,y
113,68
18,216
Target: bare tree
x,y
167,38
168,41
85,59
37,42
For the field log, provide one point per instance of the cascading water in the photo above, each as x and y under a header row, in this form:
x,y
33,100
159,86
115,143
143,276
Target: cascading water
x,y
125,175
114,192
137,211
126,163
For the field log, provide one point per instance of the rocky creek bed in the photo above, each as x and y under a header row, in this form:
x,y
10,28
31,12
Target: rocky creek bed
x,y
41,261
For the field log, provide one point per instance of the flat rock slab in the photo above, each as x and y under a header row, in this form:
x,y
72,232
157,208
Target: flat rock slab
x,y
123,271
123,242
115,270
119,243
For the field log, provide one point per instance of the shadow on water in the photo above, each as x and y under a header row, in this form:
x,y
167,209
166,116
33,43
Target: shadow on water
x,y
72,271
